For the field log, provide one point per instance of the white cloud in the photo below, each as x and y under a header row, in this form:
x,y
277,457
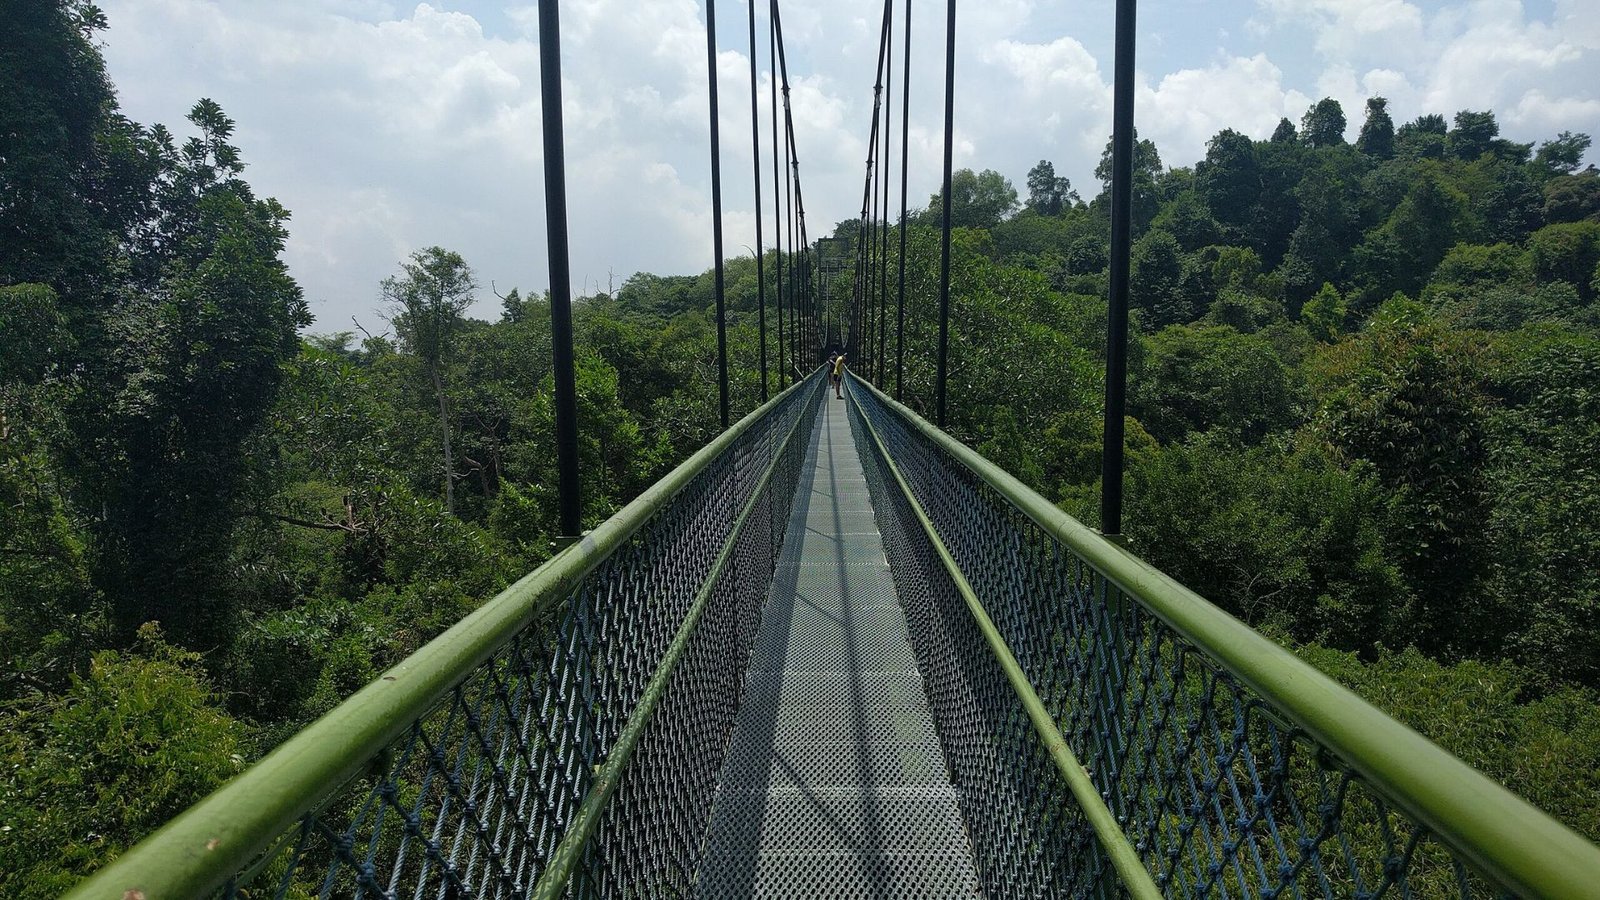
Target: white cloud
x,y
1186,108
390,126
1485,54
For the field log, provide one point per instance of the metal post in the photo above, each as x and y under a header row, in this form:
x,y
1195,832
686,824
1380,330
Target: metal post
x,y
1121,244
944,240
716,211
905,147
755,163
569,507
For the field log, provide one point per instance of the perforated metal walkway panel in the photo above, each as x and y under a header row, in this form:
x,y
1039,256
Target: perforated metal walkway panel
x,y
835,785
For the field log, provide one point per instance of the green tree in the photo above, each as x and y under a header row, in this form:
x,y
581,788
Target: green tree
x,y
1147,172
1285,539
977,200
1205,377
1377,132
1230,180
77,173
1186,218
1568,252
1048,193
1473,135
1285,133
427,299
1408,397
1572,198
1324,314
1323,124
1153,289
1400,254
89,772
1422,138
1563,154
1545,518
183,373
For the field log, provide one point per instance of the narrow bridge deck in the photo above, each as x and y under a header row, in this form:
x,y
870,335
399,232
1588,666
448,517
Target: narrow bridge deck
x,y
835,784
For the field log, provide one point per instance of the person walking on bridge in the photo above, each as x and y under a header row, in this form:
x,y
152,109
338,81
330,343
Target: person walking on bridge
x,y
836,374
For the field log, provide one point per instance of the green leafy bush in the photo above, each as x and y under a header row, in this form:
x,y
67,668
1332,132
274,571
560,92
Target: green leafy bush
x,y
90,771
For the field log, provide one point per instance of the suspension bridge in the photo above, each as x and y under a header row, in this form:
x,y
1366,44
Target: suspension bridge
x,y
836,653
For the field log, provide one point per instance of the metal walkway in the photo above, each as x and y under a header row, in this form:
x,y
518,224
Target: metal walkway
x,y
722,691
835,784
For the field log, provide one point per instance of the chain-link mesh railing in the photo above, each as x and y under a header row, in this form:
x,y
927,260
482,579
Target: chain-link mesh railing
x,y
1028,837
1217,788
474,793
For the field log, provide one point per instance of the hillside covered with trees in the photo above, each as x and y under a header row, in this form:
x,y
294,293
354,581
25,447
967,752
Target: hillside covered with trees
x,y
1365,418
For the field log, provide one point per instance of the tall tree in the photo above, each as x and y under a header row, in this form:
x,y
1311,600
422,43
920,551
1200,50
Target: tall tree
x,y
183,371
74,174
1422,138
1048,193
1147,172
1377,132
1285,133
1474,134
1563,154
977,200
436,287
1323,124
1230,180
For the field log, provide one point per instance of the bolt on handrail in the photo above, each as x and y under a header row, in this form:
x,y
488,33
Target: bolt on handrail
x,y
378,734
1500,835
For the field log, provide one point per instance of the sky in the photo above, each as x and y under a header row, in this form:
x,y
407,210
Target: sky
x,y
389,127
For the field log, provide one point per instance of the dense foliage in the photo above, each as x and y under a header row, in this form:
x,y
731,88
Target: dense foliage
x,y
1365,414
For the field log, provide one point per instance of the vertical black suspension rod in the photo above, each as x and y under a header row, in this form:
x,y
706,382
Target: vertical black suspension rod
x,y
569,518
777,199
755,164
716,211
797,337
944,239
1121,243
905,147
883,243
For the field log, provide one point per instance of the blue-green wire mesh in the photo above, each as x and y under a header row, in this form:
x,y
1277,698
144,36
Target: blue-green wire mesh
x,y
1218,792
475,796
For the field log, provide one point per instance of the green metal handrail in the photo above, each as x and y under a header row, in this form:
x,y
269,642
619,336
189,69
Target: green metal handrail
x,y
1124,858
553,884
197,852
1506,838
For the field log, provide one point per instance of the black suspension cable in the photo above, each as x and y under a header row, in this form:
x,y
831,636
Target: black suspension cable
x,y
716,211
944,239
905,147
871,298
569,519
755,164
804,309
883,243
1121,242
796,314
777,197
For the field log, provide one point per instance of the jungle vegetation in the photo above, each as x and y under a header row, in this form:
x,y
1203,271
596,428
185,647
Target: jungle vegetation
x,y
1365,418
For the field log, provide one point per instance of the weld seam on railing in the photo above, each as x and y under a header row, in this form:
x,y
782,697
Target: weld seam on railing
x,y
553,883
1507,839
1124,858
222,834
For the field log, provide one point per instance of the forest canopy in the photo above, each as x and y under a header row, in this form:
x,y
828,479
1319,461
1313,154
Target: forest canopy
x,y
1364,418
